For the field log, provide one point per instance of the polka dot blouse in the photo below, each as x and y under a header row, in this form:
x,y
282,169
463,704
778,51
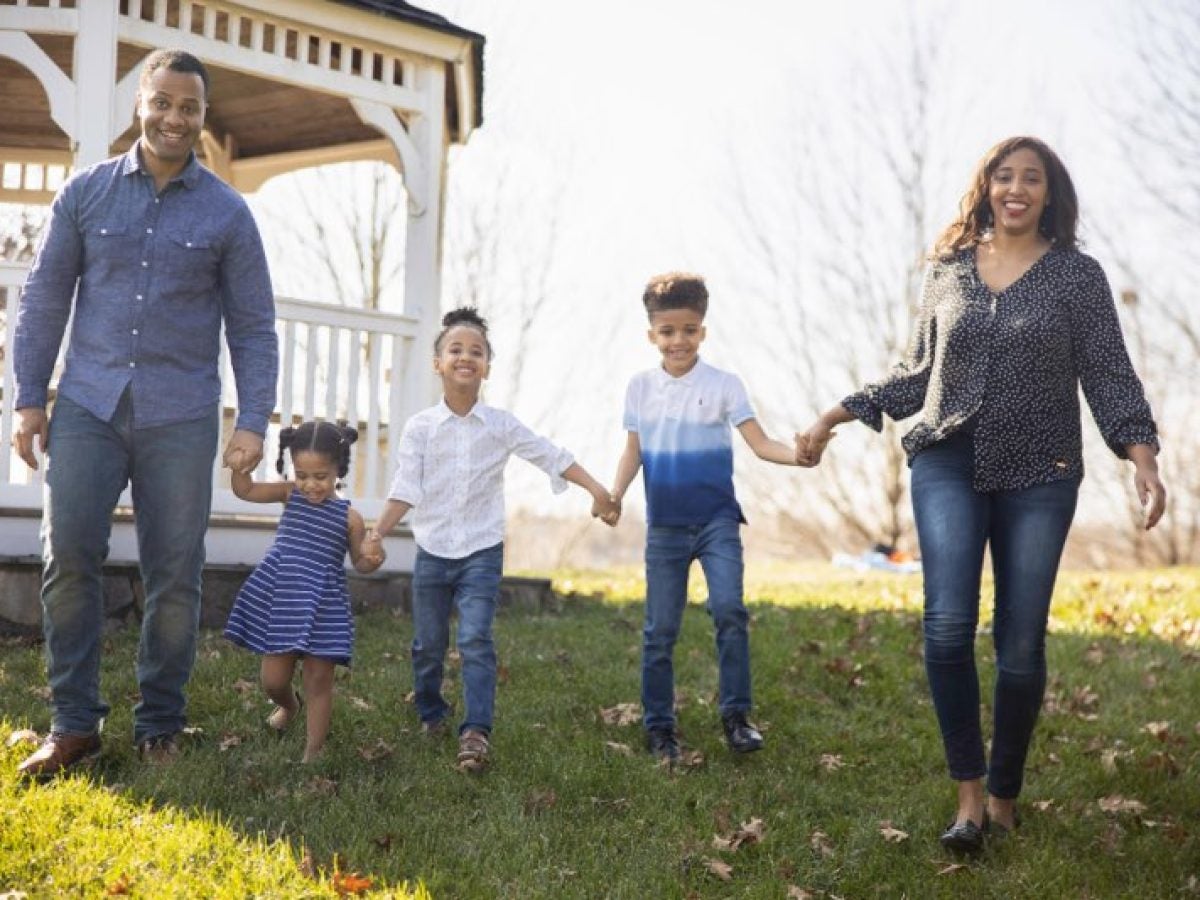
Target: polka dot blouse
x,y
1009,365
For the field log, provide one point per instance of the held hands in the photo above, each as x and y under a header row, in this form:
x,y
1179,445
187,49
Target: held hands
x,y
372,553
606,508
243,452
33,427
811,444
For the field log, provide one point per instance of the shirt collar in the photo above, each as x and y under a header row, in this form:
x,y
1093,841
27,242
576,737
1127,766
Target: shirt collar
x,y
443,413
132,165
688,378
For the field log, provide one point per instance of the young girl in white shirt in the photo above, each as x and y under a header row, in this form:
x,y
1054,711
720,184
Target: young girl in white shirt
x,y
451,473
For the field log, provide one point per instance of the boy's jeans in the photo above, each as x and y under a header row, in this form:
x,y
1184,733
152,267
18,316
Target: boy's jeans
x,y
669,553
89,463
472,584
1026,530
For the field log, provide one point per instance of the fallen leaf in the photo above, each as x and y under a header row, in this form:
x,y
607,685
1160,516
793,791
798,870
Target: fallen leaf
x,y
799,893
350,883
890,834
690,759
384,841
722,870
24,736
831,762
1118,804
623,749
42,692
242,686
410,698
621,715
1160,730
228,740
307,866
539,801
1043,805
819,841
1161,761
359,703
379,750
322,786
120,886
952,868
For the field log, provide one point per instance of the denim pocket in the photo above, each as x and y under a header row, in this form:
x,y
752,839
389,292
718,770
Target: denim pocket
x,y
190,260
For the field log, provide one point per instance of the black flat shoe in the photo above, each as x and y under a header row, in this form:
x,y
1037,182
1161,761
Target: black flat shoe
x,y
740,735
999,832
964,837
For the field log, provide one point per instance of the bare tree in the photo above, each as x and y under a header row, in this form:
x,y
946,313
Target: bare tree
x,y
1157,123
839,261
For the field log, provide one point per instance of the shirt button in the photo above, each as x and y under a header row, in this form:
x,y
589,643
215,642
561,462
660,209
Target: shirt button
x,y
145,264
138,297
135,331
132,364
189,243
157,200
149,231
104,231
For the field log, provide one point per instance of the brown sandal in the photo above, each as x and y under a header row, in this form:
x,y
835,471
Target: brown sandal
x,y
473,748
281,717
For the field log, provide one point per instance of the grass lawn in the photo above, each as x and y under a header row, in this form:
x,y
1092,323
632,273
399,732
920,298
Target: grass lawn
x,y
846,800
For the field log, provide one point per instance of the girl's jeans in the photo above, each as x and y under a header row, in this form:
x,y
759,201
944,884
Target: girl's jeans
x,y
472,585
669,555
1026,530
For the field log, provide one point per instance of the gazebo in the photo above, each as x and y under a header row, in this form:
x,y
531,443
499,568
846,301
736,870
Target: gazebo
x,y
294,84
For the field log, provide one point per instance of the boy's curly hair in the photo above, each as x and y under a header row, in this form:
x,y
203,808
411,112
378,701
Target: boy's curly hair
x,y
675,290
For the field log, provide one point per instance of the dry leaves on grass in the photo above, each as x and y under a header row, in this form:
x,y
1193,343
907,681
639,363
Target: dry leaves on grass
x,y
1160,730
722,870
351,883
120,886
24,736
322,786
891,834
799,893
540,800
242,686
1116,804
228,741
951,868
381,749
744,835
831,762
820,843
621,715
690,759
623,749
1161,761
360,703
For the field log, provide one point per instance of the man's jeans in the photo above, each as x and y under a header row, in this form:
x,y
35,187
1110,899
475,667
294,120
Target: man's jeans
x,y
472,585
669,555
89,463
1026,530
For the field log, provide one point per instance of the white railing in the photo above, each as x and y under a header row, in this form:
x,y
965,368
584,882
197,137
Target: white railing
x,y
336,363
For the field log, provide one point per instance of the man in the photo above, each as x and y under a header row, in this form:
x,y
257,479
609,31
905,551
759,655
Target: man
x,y
152,253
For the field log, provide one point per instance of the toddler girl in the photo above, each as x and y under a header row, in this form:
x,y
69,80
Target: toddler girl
x,y
295,604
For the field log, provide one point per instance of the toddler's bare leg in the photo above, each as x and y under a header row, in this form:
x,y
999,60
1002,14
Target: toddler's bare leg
x,y
318,694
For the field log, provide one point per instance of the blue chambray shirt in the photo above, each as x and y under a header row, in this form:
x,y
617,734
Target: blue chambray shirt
x,y
156,275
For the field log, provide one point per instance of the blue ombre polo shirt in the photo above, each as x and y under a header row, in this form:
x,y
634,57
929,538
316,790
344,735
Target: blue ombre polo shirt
x,y
685,428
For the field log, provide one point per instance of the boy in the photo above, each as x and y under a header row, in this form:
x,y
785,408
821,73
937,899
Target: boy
x,y
679,417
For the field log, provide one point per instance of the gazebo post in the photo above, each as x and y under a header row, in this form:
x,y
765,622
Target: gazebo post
x,y
95,52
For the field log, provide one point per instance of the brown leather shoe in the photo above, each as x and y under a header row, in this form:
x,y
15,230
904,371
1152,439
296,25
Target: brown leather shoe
x,y
59,753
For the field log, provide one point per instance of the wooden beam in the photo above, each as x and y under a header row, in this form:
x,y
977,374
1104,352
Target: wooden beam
x,y
60,90
250,174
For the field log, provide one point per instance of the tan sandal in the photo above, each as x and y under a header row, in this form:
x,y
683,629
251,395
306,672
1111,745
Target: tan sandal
x,y
281,717
473,749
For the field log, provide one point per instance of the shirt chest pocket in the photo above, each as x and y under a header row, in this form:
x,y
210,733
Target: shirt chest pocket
x,y
190,260
109,249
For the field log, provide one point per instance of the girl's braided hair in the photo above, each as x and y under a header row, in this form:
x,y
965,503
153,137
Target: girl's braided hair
x,y
328,439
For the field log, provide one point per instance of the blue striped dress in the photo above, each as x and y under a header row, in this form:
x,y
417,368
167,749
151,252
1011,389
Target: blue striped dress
x,y
296,600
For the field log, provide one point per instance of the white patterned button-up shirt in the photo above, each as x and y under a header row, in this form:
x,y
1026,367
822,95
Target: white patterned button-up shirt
x,y
450,469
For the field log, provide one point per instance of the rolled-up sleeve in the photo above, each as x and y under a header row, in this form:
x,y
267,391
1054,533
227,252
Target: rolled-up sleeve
x,y
407,481
1112,389
901,393
248,306
550,458
45,306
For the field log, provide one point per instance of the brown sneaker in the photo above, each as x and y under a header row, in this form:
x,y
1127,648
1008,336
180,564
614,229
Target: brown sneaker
x,y
61,752
473,750
161,749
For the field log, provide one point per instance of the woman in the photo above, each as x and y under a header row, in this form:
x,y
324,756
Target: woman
x,y
1013,318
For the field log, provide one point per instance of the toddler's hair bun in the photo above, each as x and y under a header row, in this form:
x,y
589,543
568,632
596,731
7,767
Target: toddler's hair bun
x,y
464,315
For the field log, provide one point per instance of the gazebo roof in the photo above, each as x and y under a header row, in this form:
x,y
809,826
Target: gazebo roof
x,y
293,84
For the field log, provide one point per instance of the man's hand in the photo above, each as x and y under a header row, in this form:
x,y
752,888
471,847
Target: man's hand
x,y
33,427
244,452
